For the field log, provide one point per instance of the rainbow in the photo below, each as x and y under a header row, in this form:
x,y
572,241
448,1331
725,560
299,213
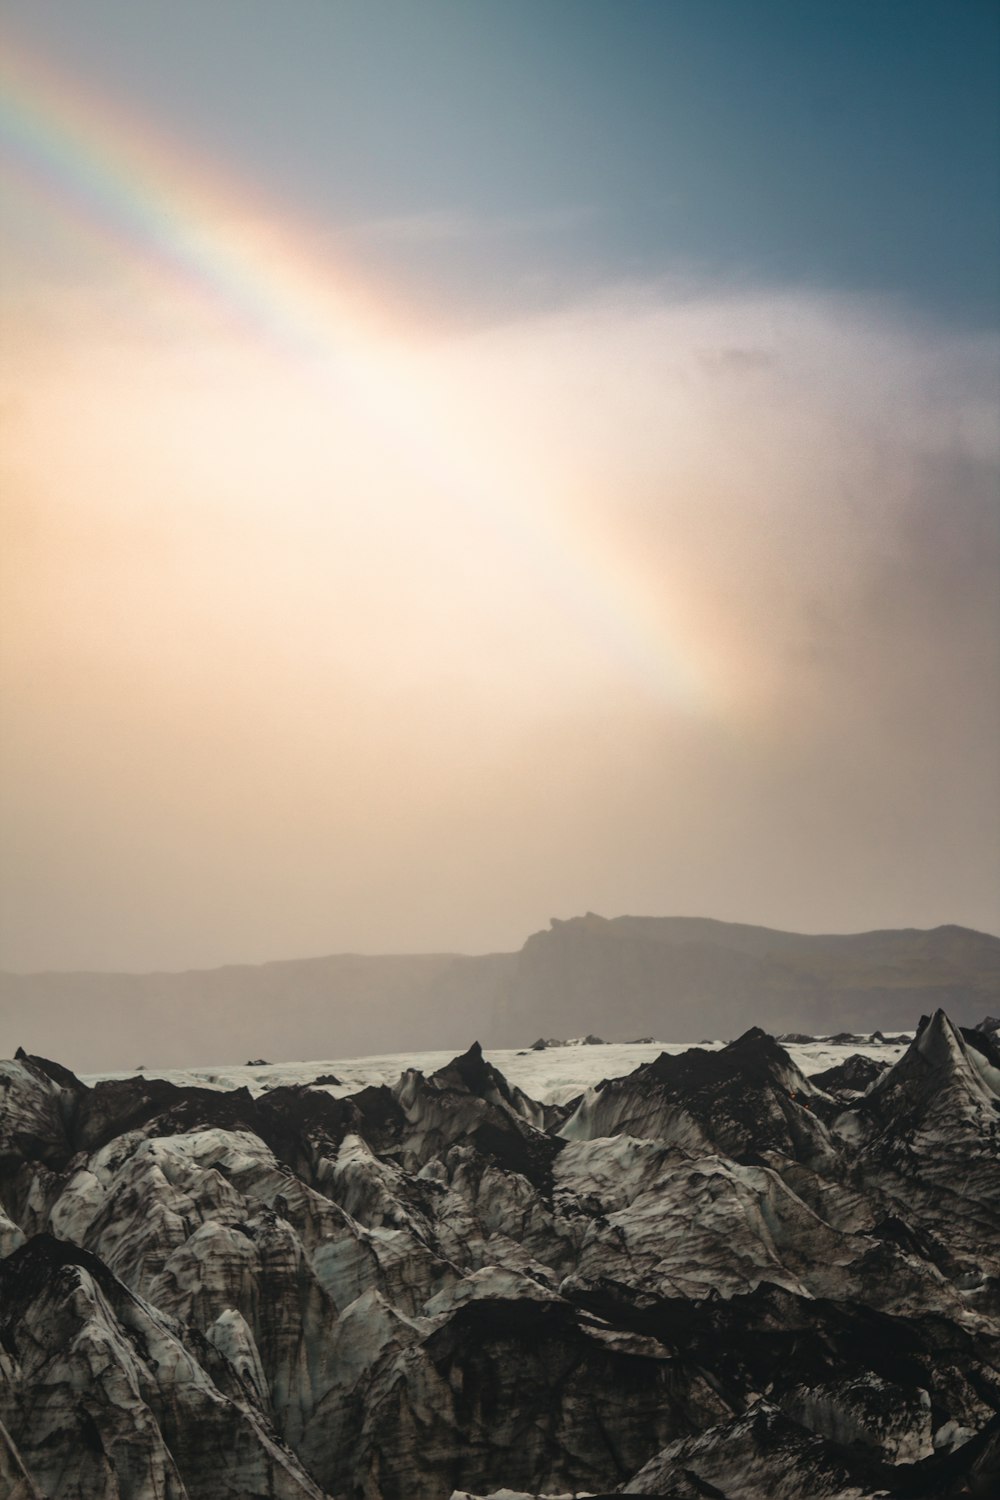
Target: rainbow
x,y
105,172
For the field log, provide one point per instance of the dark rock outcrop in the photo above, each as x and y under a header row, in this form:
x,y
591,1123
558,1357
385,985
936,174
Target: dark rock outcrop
x,y
852,1076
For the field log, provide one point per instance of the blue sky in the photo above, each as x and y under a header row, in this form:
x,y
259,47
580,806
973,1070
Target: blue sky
x,y
497,156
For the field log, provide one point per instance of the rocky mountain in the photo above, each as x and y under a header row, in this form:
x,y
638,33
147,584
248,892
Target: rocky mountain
x,y
715,1276
677,977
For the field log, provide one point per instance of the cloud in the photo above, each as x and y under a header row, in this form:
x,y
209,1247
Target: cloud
x,y
668,601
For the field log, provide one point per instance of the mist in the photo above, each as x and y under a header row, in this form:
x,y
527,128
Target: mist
x,y
683,599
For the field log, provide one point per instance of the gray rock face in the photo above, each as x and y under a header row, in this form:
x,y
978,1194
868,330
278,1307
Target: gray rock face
x,y
712,1276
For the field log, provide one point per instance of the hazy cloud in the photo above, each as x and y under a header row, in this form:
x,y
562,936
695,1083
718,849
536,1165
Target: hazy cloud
x,y
664,603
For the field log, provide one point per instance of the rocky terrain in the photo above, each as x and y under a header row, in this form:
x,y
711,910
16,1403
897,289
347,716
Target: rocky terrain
x,y
677,977
713,1276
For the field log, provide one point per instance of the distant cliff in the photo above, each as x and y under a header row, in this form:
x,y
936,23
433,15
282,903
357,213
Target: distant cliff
x,y
685,978
674,978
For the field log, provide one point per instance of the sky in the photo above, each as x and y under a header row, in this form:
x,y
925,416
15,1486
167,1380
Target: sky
x,y
465,462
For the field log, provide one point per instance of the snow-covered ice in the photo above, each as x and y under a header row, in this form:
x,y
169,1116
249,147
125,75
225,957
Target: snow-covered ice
x,y
553,1076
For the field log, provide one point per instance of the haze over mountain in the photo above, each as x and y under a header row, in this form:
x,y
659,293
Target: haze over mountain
x,y
673,978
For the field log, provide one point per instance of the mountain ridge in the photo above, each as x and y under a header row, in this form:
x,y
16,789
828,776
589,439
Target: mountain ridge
x,y
438,954
677,977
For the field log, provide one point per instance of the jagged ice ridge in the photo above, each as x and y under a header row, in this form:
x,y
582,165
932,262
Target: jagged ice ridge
x,y
714,1275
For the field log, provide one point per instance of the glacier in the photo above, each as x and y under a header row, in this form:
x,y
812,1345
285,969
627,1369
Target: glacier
x,y
747,1269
